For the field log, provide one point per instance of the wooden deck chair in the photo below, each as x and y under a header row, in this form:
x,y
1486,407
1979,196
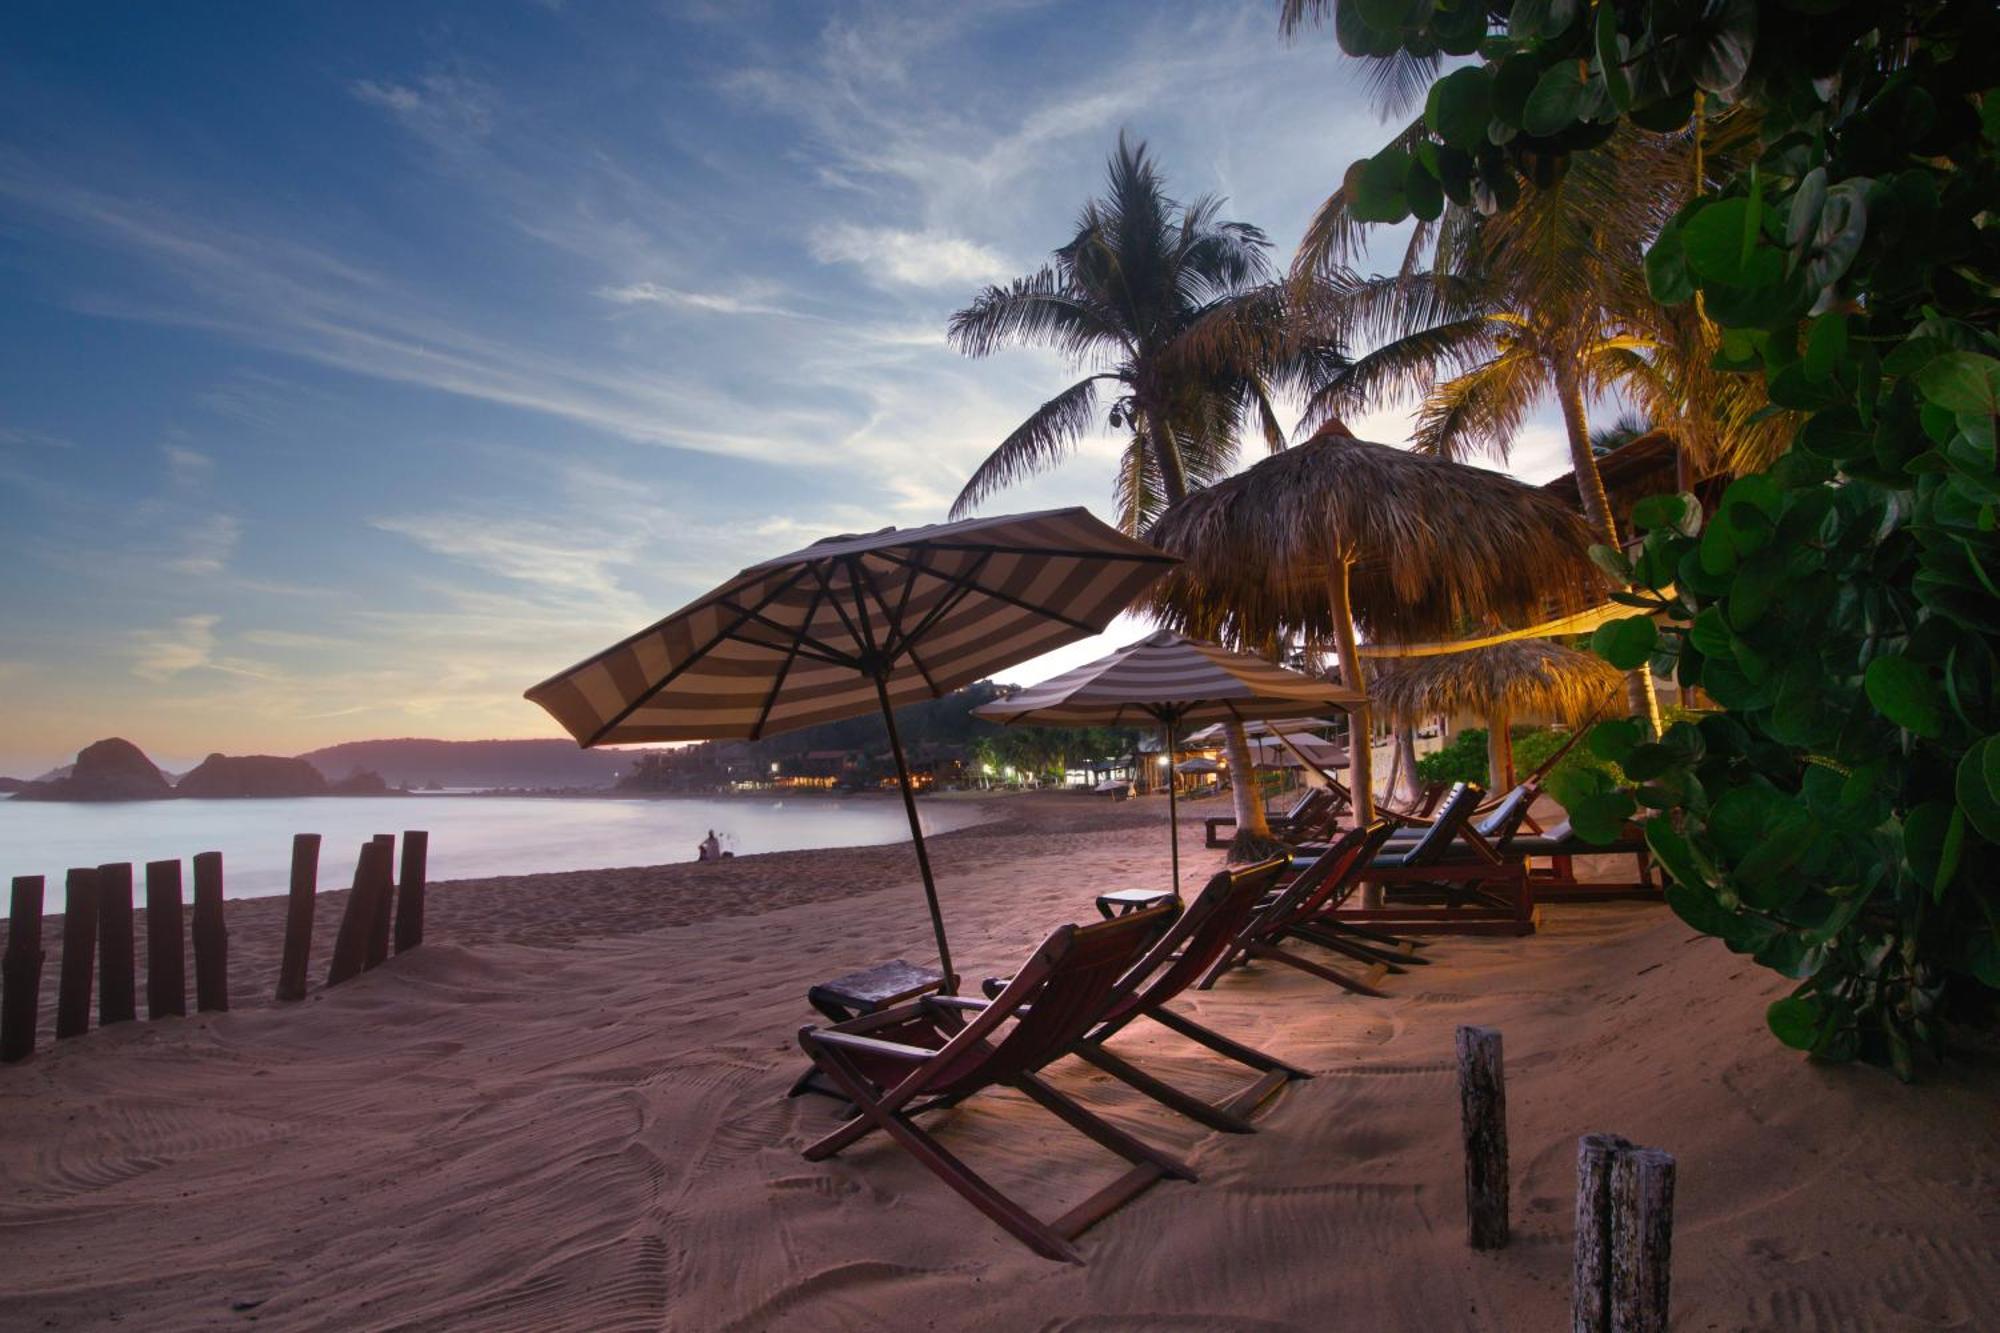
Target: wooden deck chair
x,y
1498,827
1311,895
1481,891
1189,948
1307,813
898,1063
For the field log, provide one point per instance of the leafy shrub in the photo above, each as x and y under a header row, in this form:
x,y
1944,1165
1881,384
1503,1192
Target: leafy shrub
x,y
1837,820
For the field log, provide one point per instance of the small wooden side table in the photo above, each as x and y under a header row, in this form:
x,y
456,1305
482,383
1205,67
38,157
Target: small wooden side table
x,y
865,992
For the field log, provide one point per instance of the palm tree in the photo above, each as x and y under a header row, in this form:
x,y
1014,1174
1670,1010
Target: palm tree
x,y
1489,317
1187,333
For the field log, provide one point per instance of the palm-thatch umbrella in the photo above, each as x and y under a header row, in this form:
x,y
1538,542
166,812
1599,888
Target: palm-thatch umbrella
x,y
1171,680
1497,681
1339,534
856,623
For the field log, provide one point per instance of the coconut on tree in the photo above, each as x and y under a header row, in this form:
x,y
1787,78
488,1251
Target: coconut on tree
x,y
1187,335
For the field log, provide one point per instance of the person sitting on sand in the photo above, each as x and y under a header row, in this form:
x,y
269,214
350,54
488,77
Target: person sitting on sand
x,y
710,849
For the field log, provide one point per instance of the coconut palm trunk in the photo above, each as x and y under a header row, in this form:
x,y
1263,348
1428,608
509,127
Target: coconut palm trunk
x,y
1499,751
1641,700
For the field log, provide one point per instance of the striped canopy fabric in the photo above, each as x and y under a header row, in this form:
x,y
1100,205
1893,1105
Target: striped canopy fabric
x,y
1165,677
804,638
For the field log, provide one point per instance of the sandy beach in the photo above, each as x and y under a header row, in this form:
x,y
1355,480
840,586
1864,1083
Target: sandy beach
x,y
567,1111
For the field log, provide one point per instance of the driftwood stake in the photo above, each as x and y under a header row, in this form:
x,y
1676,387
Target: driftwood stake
x,y
410,892
1642,1239
211,935
381,901
1590,1304
299,917
1482,1099
79,953
21,991
350,945
166,956
117,997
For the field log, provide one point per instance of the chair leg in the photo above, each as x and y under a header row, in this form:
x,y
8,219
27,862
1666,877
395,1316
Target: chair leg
x,y
1194,1108
1102,1131
1024,1226
1221,1045
1231,957
1395,960
1324,973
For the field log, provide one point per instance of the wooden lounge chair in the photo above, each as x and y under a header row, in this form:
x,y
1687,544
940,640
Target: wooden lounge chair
x,y
1206,931
1560,845
1302,912
1310,812
1498,828
898,1063
1482,893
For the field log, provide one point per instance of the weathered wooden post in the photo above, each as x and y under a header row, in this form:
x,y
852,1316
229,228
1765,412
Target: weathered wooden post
x,y
350,945
1642,1239
211,935
79,953
299,917
410,893
1482,1100
166,956
381,902
1590,1286
21,970
117,997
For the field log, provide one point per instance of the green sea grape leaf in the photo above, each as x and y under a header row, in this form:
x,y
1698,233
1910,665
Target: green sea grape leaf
x,y
1962,382
1795,1021
1556,100
1903,691
1933,841
1613,739
1601,819
1460,107
1978,787
1625,643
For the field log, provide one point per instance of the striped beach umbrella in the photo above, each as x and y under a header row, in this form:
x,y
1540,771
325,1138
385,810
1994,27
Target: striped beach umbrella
x,y
1175,682
853,624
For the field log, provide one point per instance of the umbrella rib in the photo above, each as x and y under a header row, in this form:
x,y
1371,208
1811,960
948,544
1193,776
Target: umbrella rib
x,y
797,636
785,668
674,673
974,585
855,573
819,569
946,604
899,644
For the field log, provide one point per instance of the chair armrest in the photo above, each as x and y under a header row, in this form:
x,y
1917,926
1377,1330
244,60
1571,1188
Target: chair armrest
x,y
895,1050
951,1002
992,986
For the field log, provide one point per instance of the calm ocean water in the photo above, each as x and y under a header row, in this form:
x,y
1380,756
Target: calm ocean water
x,y
471,836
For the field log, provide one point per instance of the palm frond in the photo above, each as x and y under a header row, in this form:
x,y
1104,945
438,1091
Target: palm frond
x,y
1481,410
1036,445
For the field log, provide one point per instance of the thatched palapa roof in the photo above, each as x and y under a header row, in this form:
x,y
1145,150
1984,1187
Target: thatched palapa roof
x,y
1435,546
1521,676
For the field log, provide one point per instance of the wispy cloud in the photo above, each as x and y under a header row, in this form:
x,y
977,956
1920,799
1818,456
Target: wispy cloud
x,y
183,645
912,258
750,302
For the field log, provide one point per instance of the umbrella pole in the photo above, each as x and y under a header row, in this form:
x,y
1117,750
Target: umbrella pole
x,y
917,836
1173,806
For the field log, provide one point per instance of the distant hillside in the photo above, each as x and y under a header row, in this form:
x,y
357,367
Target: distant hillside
x,y
422,763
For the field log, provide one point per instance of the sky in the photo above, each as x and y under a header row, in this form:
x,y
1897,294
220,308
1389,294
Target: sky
x,y
363,364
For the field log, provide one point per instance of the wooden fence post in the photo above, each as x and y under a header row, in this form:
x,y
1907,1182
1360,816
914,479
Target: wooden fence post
x,y
21,991
166,956
1482,1096
211,936
1590,1285
1642,1239
299,917
410,893
79,953
381,902
117,1000
350,946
